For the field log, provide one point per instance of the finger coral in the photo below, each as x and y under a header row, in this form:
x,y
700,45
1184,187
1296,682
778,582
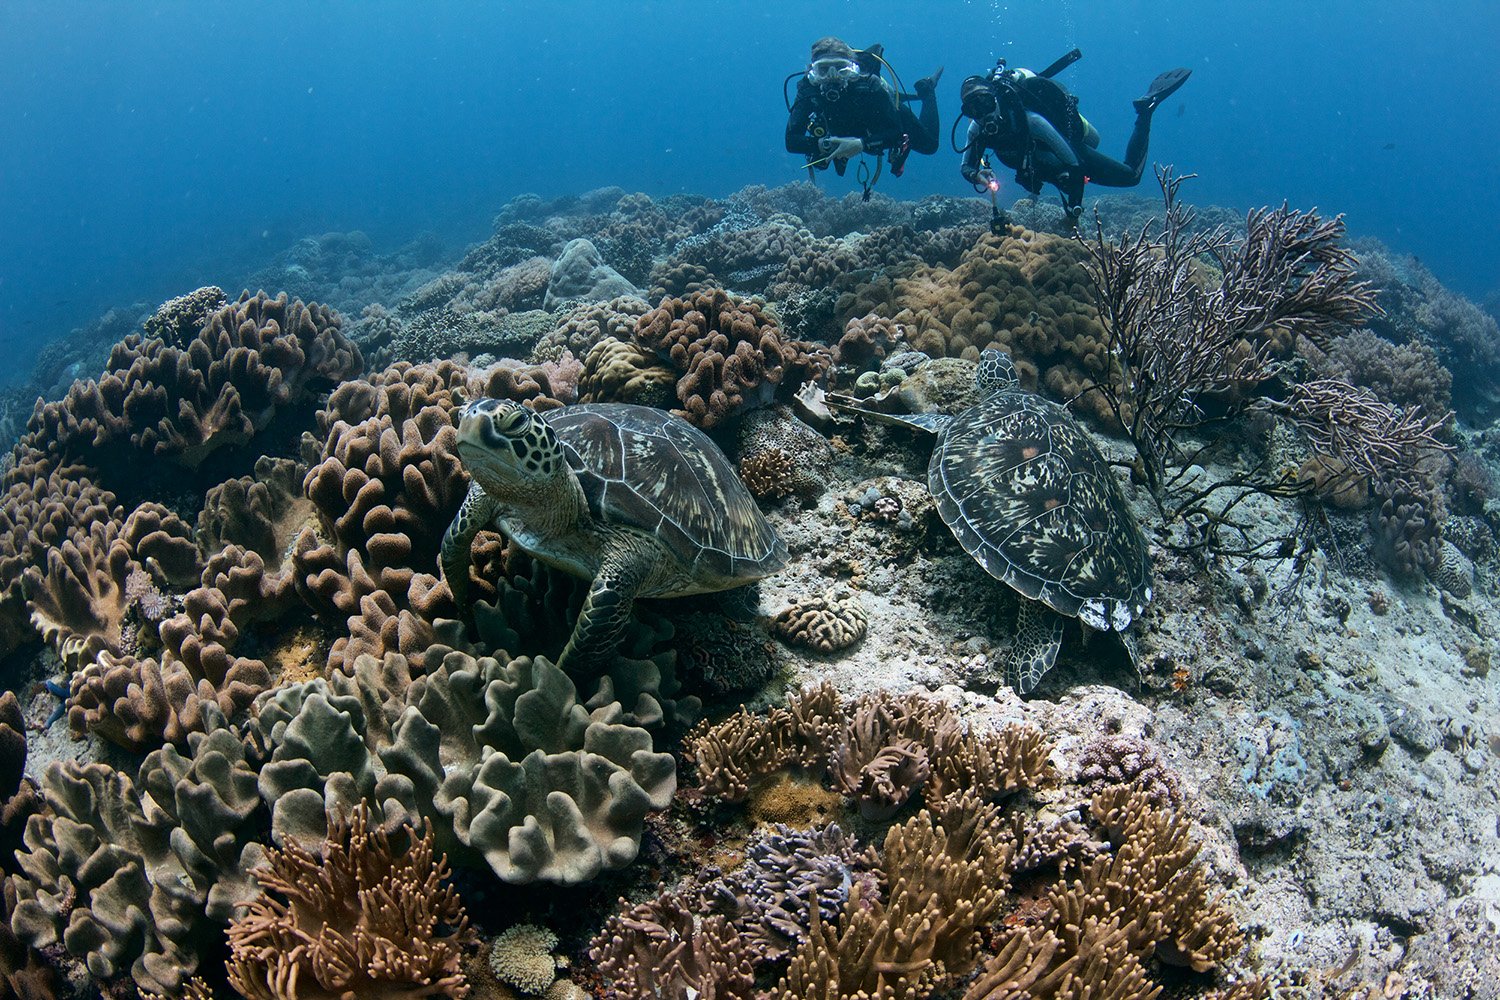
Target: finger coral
x,y
360,919
729,355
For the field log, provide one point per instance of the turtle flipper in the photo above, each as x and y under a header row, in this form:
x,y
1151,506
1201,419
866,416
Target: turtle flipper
x,y
1039,632
477,511
606,609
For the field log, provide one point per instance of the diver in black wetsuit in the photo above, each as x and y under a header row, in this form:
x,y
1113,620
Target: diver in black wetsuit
x,y
845,107
1031,123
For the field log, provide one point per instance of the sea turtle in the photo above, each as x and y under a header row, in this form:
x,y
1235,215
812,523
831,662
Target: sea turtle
x,y
640,502
1025,490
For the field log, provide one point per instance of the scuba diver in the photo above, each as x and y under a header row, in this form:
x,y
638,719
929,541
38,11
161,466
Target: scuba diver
x,y
1030,122
846,108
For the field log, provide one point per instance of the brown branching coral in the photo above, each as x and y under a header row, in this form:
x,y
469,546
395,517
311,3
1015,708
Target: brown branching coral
x,y
1151,883
944,877
664,948
1181,335
730,356
365,919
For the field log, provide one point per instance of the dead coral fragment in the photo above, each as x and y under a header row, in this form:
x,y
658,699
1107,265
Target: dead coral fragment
x,y
828,623
364,920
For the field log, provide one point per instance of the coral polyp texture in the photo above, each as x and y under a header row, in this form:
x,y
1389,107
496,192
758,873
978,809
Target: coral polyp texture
x,y
362,918
730,355
254,711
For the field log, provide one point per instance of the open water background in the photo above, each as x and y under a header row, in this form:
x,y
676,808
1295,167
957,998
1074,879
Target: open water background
x,y
148,148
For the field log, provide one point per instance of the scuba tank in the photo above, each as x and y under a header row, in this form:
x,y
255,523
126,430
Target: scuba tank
x,y
1017,91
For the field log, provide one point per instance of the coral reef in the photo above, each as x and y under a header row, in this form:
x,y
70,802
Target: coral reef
x,y
729,355
361,919
252,360
131,875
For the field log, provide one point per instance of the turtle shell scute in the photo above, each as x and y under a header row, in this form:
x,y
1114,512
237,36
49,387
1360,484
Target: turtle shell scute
x,y
1027,493
646,469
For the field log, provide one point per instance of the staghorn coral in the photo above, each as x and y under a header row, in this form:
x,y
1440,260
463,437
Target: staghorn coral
x,y
768,474
362,919
133,876
730,356
831,622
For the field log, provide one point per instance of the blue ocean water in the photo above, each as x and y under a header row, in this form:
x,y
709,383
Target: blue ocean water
x,y
152,147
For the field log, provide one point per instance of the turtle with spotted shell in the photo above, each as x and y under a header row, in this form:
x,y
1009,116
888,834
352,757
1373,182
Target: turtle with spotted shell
x,y
1024,489
642,503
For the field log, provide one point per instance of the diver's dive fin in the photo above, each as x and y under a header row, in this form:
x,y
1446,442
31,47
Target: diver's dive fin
x,y
1163,87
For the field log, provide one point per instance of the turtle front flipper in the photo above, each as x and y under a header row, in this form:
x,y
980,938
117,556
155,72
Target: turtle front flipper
x,y
606,610
477,511
1039,632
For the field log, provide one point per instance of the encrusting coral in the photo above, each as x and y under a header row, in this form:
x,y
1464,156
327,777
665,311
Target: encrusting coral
x,y
360,919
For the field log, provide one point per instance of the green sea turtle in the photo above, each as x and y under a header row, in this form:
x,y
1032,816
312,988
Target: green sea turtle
x,y
640,502
1025,490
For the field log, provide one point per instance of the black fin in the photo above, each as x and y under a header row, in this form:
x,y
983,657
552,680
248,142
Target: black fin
x,y
1163,87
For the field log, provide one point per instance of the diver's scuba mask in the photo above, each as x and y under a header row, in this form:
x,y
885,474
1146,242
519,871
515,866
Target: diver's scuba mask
x,y
832,72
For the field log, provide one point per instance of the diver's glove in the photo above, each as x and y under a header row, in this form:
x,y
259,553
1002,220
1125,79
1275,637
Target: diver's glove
x,y
840,147
927,86
985,181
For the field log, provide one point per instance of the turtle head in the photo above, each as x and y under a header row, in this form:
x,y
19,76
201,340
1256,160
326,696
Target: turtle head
x,y
997,372
509,450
